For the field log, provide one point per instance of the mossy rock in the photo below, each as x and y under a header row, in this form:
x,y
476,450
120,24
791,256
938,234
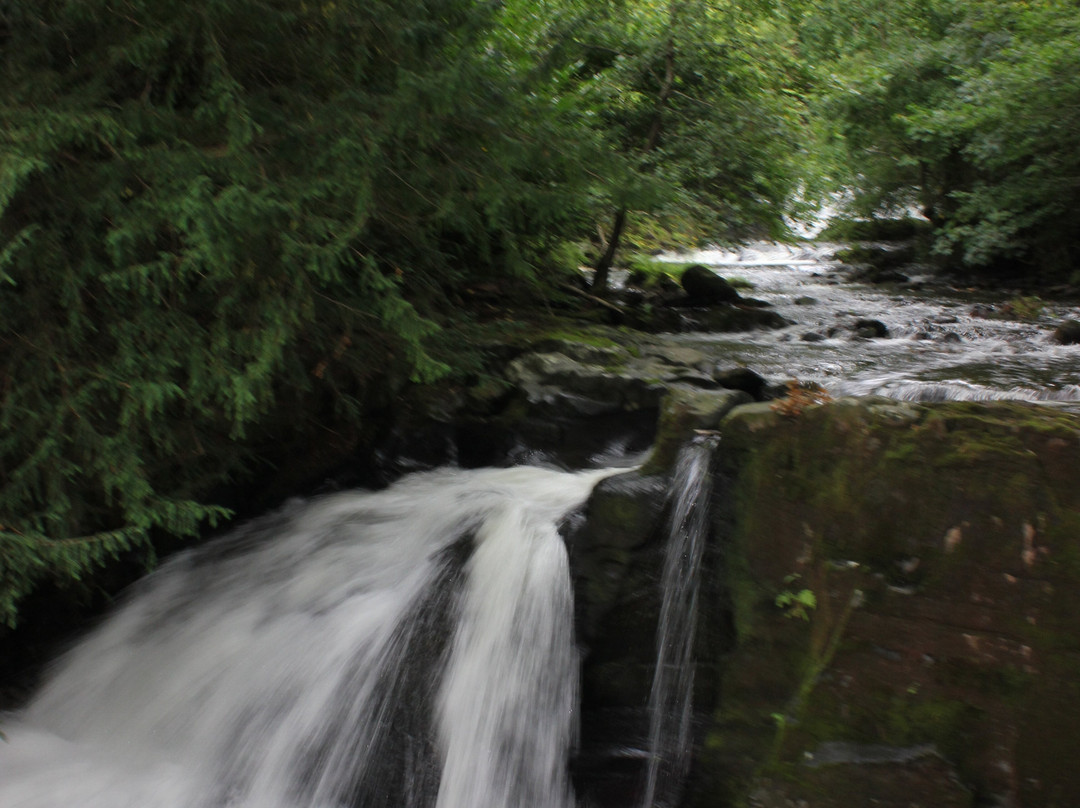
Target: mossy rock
x,y
1068,333
943,545
684,411
875,480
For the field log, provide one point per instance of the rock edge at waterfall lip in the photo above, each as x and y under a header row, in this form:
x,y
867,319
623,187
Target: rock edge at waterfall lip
x,y
588,379
832,753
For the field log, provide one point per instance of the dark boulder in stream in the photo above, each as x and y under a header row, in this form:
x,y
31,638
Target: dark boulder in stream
x,y
713,304
870,328
1068,333
705,288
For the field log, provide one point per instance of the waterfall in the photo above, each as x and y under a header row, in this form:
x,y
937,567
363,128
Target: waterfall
x,y
670,699
409,647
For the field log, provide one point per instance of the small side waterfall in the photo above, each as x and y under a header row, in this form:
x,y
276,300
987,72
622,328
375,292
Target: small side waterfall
x,y
410,647
670,700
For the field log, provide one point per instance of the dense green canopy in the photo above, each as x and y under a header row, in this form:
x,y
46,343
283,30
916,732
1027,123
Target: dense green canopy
x,y
230,225
965,110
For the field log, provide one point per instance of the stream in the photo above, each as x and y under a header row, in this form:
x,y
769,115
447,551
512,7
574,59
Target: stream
x,y
415,647
943,343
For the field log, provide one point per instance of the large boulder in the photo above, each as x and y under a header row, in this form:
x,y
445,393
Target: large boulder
x,y
567,377
745,379
562,383
616,553
1068,333
704,287
871,329
906,583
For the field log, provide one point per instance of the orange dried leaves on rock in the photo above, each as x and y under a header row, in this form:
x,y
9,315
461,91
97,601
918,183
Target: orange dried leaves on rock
x,y
799,396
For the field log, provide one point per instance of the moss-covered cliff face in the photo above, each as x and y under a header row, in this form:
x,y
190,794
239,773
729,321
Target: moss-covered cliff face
x,y
937,661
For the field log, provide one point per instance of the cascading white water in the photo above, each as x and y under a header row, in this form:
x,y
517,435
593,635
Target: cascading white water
x,y
944,344
507,706
337,654
670,699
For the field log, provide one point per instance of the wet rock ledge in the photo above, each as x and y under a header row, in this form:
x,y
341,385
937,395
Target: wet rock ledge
x,y
939,664
891,614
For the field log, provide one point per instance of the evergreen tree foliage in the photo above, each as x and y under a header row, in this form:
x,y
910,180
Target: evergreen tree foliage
x,y
216,214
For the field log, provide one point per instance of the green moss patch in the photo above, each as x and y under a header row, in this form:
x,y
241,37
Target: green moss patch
x,y
959,526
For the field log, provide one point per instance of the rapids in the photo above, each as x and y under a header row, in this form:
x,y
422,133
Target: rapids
x,y
942,344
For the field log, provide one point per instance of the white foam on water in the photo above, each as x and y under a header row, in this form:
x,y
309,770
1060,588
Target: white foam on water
x,y
271,668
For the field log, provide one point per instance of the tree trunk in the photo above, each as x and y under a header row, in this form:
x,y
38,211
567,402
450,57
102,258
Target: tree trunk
x,y
603,265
